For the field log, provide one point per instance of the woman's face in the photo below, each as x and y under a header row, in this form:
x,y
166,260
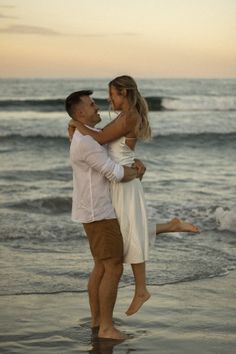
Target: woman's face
x,y
116,98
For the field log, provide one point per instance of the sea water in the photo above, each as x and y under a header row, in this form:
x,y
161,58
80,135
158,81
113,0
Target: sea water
x,y
191,165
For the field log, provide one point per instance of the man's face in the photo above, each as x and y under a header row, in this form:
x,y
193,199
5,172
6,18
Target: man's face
x,y
87,111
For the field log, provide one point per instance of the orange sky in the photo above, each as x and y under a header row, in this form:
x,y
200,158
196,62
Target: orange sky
x,y
145,38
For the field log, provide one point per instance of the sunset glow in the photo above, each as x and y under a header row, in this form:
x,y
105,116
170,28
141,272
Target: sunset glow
x,y
152,38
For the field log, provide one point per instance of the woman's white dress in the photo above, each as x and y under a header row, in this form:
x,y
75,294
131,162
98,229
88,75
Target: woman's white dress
x,y
129,204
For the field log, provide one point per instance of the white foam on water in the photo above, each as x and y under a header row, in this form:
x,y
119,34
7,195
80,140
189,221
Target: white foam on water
x,y
200,103
226,219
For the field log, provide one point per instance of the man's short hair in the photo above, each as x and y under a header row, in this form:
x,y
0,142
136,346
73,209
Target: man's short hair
x,y
75,98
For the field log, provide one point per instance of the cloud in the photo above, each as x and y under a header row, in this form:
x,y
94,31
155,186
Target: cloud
x,y
5,16
128,34
22,29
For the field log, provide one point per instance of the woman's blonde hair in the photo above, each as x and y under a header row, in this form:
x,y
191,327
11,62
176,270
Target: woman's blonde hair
x,y
143,129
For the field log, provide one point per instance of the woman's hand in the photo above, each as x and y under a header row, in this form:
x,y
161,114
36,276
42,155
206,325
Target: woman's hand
x,y
71,129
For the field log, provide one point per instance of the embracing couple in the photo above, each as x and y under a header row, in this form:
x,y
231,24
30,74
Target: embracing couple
x,y
108,197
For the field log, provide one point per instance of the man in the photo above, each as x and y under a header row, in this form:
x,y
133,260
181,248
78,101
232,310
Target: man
x,y
92,172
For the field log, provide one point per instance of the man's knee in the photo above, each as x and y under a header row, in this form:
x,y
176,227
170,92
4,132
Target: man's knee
x,y
114,266
98,269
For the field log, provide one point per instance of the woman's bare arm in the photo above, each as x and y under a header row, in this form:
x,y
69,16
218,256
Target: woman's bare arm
x,y
114,130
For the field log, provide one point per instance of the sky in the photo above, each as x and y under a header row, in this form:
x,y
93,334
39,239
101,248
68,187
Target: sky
x,y
104,38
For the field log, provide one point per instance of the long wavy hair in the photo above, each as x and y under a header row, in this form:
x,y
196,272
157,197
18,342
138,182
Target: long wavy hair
x,y
143,129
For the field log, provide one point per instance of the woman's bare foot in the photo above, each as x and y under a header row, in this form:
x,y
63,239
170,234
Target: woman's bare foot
x,y
137,302
112,333
178,225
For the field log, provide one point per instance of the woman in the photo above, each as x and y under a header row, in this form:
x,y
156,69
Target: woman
x,y
128,200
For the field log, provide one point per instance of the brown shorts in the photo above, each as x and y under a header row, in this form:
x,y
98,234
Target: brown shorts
x,y
105,239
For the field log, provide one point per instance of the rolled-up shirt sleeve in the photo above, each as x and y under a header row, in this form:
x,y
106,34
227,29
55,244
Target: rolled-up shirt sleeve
x,y
96,157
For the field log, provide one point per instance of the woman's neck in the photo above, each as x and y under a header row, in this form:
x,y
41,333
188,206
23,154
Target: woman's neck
x,y
129,110
125,107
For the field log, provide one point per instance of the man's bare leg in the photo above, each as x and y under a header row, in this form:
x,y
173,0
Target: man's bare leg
x,y
107,298
95,279
176,225
141,294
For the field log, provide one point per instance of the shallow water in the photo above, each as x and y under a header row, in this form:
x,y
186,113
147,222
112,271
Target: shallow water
x,y
194,316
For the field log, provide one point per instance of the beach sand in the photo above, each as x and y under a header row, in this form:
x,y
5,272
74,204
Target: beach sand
x,y
192,317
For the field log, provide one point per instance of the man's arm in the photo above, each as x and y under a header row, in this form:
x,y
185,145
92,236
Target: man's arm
x,y
138,169
97,158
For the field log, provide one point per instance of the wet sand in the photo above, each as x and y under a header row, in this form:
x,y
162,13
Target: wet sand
x,y
192,317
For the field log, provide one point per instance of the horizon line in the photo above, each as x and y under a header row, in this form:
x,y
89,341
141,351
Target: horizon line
x,y
108,77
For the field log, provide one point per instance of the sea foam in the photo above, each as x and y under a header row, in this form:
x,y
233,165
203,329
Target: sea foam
x,y
226,219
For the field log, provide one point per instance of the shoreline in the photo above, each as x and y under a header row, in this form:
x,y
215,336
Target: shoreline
x,y
196,316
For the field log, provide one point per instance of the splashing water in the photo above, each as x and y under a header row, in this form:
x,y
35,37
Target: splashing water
x,y
226,219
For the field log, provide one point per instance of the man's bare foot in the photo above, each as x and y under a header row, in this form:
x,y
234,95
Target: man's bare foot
x,y
112,333
178,225
137,302
95,330
95,323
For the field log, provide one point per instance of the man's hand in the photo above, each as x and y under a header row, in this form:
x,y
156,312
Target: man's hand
x,y
130,173
140,167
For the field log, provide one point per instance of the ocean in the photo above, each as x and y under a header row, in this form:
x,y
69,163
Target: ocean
x,y
191,168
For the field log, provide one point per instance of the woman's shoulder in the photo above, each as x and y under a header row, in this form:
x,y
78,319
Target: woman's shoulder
x,y
132,117
131,114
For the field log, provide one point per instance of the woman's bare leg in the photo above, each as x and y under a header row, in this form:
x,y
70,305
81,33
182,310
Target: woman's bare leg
x,y
141,294
176,225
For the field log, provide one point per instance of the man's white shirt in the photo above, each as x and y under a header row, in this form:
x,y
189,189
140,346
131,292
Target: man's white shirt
x,y
93,170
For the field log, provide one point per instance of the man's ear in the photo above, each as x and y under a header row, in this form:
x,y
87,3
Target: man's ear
x,y
78,114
